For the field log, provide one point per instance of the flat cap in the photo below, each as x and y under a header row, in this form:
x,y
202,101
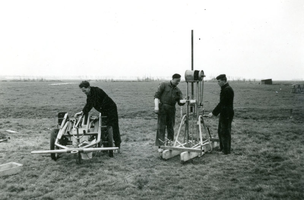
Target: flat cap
x,y
221,76
176,76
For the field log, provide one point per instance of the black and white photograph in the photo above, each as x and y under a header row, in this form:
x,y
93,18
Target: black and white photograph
x,y
152,100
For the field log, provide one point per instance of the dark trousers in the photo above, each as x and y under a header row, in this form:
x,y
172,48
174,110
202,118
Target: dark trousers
x,y
112,120
166,120
224,133
116,134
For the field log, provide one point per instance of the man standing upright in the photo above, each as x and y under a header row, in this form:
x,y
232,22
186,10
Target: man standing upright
x,y
225,109
165,98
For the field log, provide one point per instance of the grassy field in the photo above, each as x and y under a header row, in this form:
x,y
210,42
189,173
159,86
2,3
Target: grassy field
x,y
267,160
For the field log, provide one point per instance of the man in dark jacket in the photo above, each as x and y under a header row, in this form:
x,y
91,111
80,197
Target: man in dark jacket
x,y
98,99
225,109
165,98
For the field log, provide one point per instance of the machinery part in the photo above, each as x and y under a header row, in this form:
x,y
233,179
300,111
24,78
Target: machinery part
x,y
53,137
194,75
4,140
68,137
194,140
61,117
74,150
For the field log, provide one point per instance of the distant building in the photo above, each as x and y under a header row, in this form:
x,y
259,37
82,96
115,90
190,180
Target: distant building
x,y
267,81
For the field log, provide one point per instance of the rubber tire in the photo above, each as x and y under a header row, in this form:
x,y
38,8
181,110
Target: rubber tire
x,y
53,137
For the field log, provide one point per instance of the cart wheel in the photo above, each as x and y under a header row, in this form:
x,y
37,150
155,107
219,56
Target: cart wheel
x,y
53,137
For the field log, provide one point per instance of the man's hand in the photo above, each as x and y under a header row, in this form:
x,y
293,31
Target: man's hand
x,y
210,115
182,101
156,105
77,114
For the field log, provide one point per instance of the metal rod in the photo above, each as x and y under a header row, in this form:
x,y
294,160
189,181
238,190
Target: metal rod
x,y
179,129
64,120
187,114
75,150
201,121
182,149
192,68
3,140
192,50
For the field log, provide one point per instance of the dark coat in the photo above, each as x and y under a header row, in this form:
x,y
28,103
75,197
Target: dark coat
x,y
104,104
225,106
99,100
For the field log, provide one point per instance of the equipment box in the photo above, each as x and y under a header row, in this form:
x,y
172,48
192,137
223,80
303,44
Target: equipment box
x,y
10,168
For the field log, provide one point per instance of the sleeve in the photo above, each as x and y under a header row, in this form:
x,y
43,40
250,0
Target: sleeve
x,y
217,109
223,101
180,97
88,107
159,91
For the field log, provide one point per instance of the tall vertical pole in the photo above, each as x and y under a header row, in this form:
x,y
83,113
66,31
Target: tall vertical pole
x,y
186,138
191,49
192,68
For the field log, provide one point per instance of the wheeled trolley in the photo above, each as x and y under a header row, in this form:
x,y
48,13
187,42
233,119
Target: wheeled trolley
x,y
80,136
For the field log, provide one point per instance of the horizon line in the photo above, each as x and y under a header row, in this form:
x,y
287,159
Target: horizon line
x,y
121,78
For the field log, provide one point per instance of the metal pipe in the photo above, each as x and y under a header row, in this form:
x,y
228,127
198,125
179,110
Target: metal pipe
x,y
183,149
202,91
79,119
200,128
197,99
99,128
88,123
98,134
191,49
74,150
64,120
60,133
199,94
187,115
179,129
4,140
192,84
61,146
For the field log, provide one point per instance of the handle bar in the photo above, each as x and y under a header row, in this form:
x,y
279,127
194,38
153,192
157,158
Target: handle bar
x,y
76,125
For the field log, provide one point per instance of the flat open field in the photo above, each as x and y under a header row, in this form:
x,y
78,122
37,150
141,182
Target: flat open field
x,y
267,160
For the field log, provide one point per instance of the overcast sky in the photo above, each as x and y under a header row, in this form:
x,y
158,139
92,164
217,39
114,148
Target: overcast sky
x,y
254,39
